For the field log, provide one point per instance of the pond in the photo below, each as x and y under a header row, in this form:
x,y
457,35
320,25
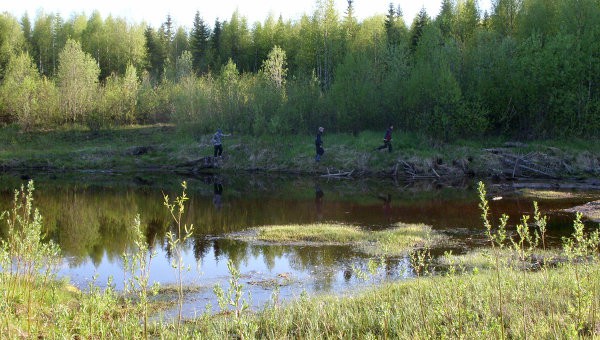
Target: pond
x,y
90,216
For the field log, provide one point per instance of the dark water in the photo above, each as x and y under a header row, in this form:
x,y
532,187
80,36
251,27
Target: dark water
x,y
90,215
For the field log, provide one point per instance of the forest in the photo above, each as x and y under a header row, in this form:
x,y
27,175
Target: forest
x,y
528,69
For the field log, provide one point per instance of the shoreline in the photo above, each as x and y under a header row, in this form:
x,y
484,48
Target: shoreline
x,y
170,149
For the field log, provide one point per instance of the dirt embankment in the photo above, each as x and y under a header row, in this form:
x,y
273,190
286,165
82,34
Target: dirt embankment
x,y
505,163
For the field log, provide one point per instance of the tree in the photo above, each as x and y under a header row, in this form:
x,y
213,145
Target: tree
x,y
350,24
156,53
199,44
538,17
355,93
92,37
504,16
236,42
418,26
11,39
19,91
215,45
27,32
78,81
467,20
275,67
445,19
329,38
119,99
393,25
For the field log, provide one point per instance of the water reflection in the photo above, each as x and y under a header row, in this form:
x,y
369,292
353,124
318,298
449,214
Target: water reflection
x,y
387,206
217,200
90,217
319,201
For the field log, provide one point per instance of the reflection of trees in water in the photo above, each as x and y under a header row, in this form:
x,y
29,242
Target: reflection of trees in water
x,y
201,247
233,250
92,222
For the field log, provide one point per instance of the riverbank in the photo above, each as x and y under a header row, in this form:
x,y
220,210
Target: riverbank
x,y
168,148
500,302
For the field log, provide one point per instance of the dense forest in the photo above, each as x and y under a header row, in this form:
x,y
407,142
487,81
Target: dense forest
x,y
527,69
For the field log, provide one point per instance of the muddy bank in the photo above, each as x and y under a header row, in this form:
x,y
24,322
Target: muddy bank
x,y
590,211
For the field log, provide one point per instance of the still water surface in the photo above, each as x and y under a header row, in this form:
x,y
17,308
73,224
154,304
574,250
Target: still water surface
x,y
90,217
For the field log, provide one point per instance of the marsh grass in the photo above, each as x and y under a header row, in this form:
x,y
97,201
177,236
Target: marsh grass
x,y
395,241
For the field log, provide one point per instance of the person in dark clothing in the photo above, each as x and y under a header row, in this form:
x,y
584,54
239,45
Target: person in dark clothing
x,y
319,144
387,139
217,143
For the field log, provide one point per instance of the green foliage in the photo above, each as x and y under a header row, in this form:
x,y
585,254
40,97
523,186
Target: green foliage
x,y
28,262
528,69
20,92
119,100
137,264
77,80
11,40
177,237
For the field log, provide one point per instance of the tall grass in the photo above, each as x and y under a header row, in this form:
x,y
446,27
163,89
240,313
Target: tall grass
x,y
28,264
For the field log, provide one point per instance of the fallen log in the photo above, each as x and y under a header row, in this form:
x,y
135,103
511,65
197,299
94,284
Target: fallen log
x,y
339,174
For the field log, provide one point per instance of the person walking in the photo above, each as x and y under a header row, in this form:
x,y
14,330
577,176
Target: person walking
x,y
387,139
217,143
319,144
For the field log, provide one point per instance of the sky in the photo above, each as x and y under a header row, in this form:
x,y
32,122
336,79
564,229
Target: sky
x,y
182,11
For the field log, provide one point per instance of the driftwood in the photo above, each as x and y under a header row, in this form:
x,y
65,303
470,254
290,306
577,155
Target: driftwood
x,y
413,173
339,174
521,163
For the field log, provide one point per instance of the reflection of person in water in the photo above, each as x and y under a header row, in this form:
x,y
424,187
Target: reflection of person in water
x,y
217,197
387,206
319,201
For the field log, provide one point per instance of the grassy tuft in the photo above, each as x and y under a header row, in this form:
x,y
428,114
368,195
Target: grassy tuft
x,y
395,241
547,194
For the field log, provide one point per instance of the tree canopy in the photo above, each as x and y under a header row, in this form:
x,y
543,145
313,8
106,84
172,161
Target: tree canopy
x,y
528,68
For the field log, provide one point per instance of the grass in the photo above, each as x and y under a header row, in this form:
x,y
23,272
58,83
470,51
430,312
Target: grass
x,y
77,148
457,307
395,241
483,259
547,194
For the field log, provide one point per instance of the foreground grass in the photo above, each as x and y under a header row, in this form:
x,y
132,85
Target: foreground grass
x,y
389,242
542,304
550,303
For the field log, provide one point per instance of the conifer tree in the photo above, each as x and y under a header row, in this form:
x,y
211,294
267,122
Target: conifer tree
x,y
199,43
